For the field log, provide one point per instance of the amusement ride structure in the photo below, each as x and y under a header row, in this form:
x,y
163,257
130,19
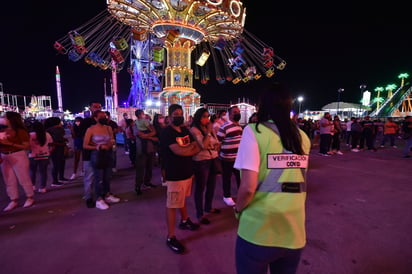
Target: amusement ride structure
x,y
169,43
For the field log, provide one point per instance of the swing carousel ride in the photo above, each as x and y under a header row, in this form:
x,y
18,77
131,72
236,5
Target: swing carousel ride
x,y
147,31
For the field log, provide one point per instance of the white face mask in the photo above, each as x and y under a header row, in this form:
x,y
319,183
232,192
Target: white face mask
x,y
77,123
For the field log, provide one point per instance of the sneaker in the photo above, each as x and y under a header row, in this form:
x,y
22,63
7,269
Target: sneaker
x,y
382,146
63,180
73,177
339,152
90,203
57,184
28,203
354,150
175,245
112,199
204,221
12,205
189,225
42,190
394,146
100,204
126,152
229,201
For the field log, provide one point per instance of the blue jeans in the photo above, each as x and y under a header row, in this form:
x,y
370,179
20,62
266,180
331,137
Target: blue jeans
x,y
101,177
408,146
88,179
255,259
41,165
390,137
325,142
205,178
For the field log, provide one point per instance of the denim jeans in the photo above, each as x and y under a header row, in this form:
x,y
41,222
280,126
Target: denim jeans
x,y
205,178
101,177
390,137
59,162
88,179
408,146
227,171
41,165
256,259
325,142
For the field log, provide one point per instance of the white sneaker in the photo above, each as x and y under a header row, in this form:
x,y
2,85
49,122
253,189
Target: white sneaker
x,y
339,152
73,177
112,199
42,190
229,201
394,146
100,204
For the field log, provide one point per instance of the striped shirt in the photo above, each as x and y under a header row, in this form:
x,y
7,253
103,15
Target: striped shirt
x,y
229,135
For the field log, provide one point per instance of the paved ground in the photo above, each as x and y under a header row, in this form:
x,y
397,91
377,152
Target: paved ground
x,y
358,221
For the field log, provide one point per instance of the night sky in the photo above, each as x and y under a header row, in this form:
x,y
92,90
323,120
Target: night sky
x,y
325,47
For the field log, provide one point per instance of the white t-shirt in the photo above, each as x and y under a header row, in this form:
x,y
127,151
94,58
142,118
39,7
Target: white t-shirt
x,y
248,156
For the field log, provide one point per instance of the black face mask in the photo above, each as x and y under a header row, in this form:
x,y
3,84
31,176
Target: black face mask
x,y
178,120
236,117
103,121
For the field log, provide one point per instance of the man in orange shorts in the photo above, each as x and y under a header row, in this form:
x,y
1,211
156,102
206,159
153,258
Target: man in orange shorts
x,y
177,147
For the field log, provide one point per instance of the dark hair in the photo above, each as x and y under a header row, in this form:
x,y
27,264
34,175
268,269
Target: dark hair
x,y
196,119
173,107
276,104
15,119
138,112
40,131
51,122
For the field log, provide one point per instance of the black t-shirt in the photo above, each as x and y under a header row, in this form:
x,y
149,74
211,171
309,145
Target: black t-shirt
x,y
177,167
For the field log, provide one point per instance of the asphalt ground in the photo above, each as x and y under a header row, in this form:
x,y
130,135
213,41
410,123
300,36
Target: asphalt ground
x,y
358,221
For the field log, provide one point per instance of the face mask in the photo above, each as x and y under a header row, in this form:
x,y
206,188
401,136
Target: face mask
x,y
204,121
103,121
178,120
77,123
236,117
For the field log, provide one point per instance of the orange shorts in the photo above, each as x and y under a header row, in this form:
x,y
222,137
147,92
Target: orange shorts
x,y
177,191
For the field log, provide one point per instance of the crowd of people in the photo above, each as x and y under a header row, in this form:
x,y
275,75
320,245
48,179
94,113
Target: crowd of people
x,y
357,134
271,193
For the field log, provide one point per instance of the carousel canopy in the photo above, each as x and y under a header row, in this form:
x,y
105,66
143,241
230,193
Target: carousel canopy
x,y
344,106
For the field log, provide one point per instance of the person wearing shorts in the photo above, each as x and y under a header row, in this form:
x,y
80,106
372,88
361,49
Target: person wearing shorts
x,y
177,147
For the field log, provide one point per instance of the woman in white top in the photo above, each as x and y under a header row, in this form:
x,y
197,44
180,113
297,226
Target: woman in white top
x,y
100,137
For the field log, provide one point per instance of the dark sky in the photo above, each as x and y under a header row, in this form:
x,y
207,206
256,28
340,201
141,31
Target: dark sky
x,y
325,47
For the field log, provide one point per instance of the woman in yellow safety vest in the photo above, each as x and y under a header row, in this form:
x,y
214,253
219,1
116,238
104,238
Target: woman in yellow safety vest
x,y
273,158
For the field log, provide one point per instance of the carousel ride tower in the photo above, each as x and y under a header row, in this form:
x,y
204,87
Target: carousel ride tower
x,y
182,25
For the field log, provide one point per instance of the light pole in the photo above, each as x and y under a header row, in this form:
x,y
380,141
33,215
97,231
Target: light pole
x,y
300,99
362,89
339,93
